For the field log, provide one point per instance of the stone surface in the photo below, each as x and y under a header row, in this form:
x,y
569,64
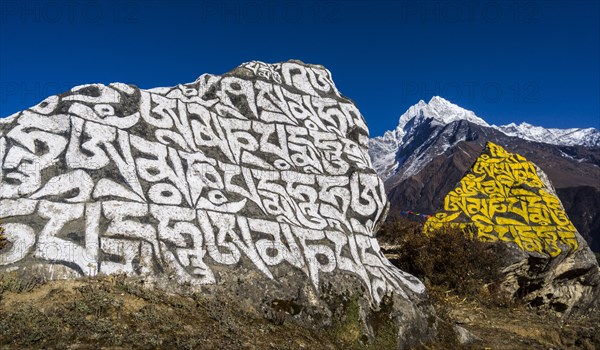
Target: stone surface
x,y
506,198
256,183
463,336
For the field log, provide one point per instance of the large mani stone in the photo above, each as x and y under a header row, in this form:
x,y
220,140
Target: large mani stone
x,y
255,183
507,199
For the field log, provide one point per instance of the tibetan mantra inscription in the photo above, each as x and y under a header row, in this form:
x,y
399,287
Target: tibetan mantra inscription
x,y
266,164
504,199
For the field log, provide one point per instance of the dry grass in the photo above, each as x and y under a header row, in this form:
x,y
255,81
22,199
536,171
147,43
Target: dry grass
x,y
121,313
116,312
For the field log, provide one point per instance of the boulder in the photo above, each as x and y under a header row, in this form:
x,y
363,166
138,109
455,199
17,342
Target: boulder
x,y
507,199
256,185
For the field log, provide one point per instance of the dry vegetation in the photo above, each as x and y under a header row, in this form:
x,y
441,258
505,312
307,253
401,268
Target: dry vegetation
x,y
117,312
447,260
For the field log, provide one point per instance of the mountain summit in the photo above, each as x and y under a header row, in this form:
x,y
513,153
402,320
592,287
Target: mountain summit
x,y
440,110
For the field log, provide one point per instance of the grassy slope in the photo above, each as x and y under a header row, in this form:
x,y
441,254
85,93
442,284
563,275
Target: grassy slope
x,y
116,312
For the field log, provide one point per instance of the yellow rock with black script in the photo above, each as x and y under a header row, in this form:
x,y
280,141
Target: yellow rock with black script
x,y
503,198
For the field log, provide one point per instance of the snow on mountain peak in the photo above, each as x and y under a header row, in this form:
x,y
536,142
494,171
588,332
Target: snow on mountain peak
x,y
589,137
440,110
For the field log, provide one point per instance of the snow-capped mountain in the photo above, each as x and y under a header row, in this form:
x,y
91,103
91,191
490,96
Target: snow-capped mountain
x,y
438,112
384,150
436,142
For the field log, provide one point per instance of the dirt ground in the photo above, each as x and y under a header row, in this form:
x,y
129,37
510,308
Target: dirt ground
x,y
108,313
115,313
518,326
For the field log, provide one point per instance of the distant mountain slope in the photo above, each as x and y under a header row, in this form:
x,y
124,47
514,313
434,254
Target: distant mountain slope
x,y
589,137
436,142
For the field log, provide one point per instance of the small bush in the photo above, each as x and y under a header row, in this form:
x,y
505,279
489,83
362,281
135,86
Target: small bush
x,y
447,259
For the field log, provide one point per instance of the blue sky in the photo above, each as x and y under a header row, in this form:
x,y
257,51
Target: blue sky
x,y
534,61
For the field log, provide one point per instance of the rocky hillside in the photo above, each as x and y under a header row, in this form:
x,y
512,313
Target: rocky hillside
x,y
121,312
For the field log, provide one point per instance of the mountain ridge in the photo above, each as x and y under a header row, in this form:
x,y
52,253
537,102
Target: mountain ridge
x,y
426,155
443,112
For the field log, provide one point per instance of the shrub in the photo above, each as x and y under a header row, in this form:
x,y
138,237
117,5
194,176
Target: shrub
x,y
396,228
447,258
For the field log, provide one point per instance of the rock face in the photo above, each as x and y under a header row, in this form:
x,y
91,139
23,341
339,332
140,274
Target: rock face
x,y
255,183
506,198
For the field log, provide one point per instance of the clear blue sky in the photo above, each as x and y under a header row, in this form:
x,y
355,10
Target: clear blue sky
x,y
534,61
